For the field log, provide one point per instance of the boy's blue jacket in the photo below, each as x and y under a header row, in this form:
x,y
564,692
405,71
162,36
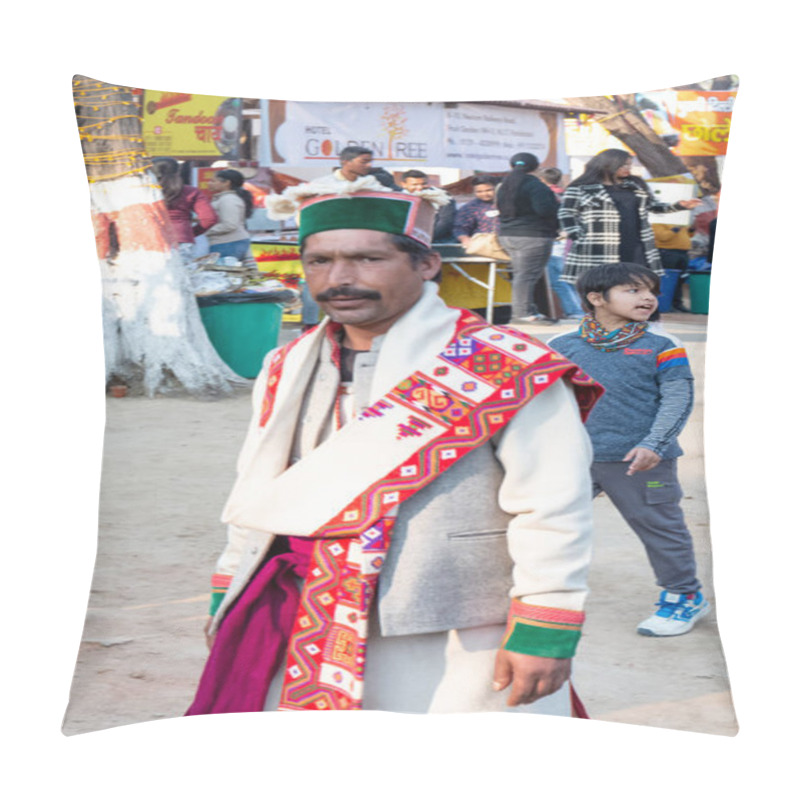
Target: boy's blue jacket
x,y
649,393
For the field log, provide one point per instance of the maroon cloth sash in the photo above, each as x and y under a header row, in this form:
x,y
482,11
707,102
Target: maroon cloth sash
x,y
251,641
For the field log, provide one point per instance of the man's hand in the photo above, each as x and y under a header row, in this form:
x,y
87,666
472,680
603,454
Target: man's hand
x,y
209,636
530,677
641,459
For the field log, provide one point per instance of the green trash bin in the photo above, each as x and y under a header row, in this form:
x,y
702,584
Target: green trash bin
x,y
242,327
699,285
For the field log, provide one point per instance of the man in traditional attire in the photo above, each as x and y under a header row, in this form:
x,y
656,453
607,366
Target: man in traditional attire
x,y
410,525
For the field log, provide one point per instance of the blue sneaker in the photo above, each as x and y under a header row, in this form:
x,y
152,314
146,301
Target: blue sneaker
x,y
677,613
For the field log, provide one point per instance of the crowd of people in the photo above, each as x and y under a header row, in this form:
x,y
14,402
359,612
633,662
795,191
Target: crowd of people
x,y
527,218
221,219
393,544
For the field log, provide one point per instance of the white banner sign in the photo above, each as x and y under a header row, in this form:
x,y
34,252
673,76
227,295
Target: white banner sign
x,y
404,135
485,137
465,136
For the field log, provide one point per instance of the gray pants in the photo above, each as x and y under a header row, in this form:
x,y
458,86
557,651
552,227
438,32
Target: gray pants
x,y
649,502
529,257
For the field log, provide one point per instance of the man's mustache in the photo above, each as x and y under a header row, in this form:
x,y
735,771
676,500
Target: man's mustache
x,y
347,291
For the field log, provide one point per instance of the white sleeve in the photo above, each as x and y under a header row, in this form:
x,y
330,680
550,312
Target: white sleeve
x,y
547,455
237,536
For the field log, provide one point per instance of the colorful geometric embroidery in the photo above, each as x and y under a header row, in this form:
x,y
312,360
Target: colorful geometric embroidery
x,y
413,427
273,379
327,649
458,350
432,399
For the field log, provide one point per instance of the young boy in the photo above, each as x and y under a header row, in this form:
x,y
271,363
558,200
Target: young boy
x,y
635,425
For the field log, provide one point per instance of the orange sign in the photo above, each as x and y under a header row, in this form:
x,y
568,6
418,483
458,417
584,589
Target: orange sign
x,y
203,176
703,121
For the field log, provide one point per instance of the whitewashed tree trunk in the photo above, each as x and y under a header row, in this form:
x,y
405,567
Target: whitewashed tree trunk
x,y
153,335
153,332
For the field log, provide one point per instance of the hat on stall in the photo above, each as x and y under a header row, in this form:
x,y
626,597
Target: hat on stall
x,y
326,206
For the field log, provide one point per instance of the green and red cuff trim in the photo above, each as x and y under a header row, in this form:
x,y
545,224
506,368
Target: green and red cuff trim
x,y
219,586
542,631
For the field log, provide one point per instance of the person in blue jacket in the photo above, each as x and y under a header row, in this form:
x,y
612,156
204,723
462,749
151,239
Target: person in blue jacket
x,y
635,425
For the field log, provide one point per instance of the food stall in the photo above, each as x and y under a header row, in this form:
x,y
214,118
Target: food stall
x,y
278,259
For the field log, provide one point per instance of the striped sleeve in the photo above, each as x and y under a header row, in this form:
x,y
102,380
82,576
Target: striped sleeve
x,y
219,586
676,390
674,357
677,399
542,631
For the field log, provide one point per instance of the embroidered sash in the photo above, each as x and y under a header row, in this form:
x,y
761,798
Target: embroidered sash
x,y
457,402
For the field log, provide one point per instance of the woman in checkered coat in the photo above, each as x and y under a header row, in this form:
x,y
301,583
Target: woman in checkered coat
x,y
605,212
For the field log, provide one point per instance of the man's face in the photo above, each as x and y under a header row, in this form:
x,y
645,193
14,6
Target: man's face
x,y
485,192
361,279
360,165
414,184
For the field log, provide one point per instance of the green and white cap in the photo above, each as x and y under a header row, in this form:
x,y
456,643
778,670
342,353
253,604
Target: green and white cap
x,y
326,207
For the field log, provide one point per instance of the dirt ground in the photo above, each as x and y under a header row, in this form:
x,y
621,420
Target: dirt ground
x,y
168,465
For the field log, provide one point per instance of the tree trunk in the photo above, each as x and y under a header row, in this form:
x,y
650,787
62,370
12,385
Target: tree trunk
x,y
153,335
624,121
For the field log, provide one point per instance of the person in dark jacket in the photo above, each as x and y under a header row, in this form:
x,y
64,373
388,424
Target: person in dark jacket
x,y
384,177
479,215
528,226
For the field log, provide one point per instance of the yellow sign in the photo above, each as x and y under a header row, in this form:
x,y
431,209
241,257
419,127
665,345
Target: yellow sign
x,y
191,125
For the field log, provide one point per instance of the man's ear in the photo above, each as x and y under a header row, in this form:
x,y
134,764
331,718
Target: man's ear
x,y
595,298
430,267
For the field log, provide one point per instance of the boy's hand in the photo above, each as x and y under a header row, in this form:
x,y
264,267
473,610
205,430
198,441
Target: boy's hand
x,y
641,459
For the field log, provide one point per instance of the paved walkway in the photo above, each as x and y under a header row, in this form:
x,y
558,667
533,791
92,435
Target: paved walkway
x,y
168,464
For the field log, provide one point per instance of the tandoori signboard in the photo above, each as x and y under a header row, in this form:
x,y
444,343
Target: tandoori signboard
x,y
191,125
